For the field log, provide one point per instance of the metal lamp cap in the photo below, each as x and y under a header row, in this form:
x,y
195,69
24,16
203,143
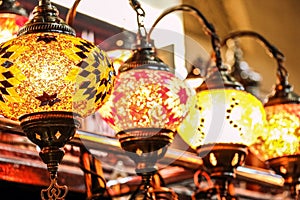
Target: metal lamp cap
x,y
45,19
283,95
219,78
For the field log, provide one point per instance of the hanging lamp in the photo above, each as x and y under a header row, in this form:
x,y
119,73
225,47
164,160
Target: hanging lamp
x,y
49,79
146,106
220,125
12,17
279,145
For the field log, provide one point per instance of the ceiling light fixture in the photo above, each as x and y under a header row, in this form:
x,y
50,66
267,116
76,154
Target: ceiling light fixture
x,y
49,79
147,105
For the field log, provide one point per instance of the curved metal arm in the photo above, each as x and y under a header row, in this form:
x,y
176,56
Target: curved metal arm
x,y
72,13
134,4
209,28
282,73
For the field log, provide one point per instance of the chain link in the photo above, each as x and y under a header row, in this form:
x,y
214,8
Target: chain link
x,y
140,17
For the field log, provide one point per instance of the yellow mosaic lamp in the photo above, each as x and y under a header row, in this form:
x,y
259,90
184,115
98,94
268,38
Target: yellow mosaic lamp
x,y
221,126
48,79
283,136
224,122
278,142
280,145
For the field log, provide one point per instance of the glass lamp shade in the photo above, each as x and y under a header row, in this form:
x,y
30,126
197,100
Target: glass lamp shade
x,y
41,72
283,135
10,24
147,98
223,116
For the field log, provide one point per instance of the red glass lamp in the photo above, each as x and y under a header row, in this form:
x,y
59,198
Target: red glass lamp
x,y
12,18
146,106
49,79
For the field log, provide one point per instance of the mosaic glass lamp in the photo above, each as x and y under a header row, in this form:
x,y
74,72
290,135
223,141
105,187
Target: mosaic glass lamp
x,y
12,17
279,144
147,104
280,147
48,80
220,126
227,118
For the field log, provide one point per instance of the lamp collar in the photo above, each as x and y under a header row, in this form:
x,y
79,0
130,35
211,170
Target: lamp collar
x,y
144,57
45,19
220,78
283,95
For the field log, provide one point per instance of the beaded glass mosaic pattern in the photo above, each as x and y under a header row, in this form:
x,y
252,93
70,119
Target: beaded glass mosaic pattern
x,y
53,72
223,116
147,99
10,25
282,137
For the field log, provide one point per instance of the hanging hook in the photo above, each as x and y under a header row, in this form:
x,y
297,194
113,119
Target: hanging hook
x,y
72,13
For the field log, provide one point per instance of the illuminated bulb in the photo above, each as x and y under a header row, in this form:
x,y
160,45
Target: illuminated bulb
x,y
284,132
223,116
10,25
145,98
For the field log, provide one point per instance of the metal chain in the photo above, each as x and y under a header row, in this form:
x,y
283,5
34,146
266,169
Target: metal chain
x,y
140,17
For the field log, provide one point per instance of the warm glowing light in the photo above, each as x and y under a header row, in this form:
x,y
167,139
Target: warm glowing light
x,y
223,116
10,25
118,57
52,72
145,98
283,136
194,82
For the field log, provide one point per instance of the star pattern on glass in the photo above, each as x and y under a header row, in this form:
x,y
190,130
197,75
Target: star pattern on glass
x,y
47,38
47,99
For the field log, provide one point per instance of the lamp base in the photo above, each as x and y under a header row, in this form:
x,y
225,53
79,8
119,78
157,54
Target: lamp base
x,y
289,168
145,146
221,159
149,190
51,131
54,128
